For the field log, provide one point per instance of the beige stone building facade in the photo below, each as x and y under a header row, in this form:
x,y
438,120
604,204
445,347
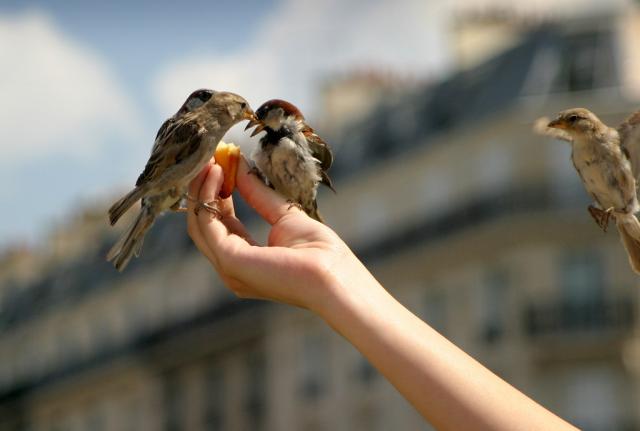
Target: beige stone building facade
x,y
477,225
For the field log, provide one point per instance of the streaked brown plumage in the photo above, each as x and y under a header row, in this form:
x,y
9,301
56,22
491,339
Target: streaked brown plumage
x,y
183,145
292,158
607,161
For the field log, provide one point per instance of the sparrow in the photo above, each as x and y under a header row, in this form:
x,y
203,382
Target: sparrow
x,y
606,160
291,157
183,146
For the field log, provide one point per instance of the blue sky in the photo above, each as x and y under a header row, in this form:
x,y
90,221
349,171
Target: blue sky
x,y
85,85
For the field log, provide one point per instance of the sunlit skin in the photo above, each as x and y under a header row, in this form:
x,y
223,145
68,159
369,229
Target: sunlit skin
x,y
307,265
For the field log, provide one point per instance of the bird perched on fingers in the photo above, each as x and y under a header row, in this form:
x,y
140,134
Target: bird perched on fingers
x,y
603,158
291,157
183,146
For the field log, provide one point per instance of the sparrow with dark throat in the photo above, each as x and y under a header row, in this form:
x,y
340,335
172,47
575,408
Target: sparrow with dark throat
x,y
607,161
291,157
183,146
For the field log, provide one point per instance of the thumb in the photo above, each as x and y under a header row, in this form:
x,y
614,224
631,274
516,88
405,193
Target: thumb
x,y
267,202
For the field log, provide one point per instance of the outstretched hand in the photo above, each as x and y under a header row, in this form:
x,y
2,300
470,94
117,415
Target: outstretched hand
x,y
302,261
306,264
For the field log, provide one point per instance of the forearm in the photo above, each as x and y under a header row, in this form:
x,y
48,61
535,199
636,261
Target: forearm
x,y
447,386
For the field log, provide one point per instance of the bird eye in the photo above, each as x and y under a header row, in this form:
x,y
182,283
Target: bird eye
x,y
243,105
204,95
572,118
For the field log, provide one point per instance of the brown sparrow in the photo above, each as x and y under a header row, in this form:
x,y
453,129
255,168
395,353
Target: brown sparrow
x,y
183,146
291,157
602,157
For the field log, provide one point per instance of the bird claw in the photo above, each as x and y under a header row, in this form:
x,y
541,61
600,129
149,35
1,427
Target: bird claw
x,y
210,207
293,204
258,173
601,217
255,171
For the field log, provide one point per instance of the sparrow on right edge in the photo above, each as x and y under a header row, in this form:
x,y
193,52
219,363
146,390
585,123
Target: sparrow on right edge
x,y
607,161
291,157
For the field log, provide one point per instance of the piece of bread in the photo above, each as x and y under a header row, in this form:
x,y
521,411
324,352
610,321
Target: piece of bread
x,y
227,156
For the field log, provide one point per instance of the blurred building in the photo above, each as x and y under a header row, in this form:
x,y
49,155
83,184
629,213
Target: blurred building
x,y
473,222
350,98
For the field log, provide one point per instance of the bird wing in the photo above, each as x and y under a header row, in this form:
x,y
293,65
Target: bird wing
x,y
540,127
626,181
629,132
321,151
176,140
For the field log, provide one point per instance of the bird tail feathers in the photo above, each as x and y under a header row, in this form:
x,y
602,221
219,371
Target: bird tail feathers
x,y
130,243
630,223
123,204
630,243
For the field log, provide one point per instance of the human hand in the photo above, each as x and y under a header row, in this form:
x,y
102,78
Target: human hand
x,y
304,262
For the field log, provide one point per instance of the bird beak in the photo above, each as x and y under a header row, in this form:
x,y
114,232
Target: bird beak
x,y
557,124
249,115
254,122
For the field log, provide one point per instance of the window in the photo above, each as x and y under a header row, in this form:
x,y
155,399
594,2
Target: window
x,y
314,367
100,334
67,349
131,417
493,306
436,188
256,395
173,403
369,418
214,414
567,190
580,63
435,310
371,213
493,167
582,278
593,397
587,62
96,419
365,372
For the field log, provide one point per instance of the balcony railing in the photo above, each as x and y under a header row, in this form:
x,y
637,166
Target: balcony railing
x,y
562,317
511,201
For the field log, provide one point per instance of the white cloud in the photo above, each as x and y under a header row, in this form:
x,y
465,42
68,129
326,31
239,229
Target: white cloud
x,y
58,97
63,117
302,42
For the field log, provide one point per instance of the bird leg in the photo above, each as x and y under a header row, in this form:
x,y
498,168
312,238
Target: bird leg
x,y
178,207
601,217
258,173
211,207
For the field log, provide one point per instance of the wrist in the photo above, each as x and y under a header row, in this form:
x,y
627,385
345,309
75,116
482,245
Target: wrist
x,y
349,292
